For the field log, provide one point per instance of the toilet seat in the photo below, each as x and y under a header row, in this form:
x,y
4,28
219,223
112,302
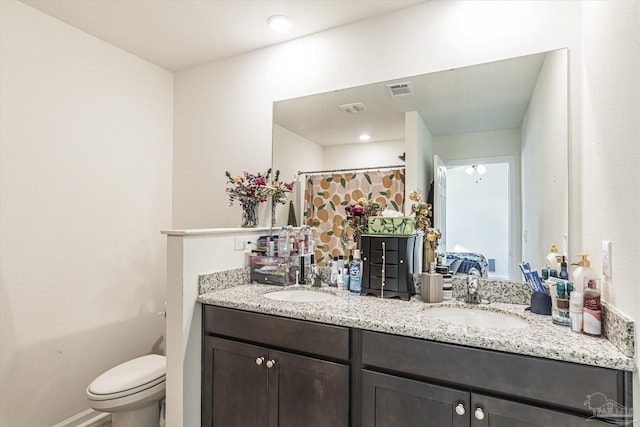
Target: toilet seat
x,y
129,378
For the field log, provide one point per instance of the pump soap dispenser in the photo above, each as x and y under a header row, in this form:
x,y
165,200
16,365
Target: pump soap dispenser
x,y
584,272
552,258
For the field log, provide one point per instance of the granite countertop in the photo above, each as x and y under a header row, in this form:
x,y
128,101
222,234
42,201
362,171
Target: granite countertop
x,y
541,338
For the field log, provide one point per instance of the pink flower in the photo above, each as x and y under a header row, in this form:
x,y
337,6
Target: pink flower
x,y
289,185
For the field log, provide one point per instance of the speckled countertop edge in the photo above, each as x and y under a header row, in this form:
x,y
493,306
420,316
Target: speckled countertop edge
x,y
410,318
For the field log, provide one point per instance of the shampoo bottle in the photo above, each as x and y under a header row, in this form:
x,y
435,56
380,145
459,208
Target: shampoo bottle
x,y
355,273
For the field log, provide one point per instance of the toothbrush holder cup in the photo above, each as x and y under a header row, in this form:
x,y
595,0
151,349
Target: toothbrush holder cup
x,y
540,303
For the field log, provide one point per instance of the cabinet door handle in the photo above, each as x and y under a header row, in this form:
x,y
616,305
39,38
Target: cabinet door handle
x,y
460,409
271,363
401,261
479,413
260,360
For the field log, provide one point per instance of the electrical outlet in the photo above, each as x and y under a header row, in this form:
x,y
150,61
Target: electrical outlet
x,y
606,258
240,242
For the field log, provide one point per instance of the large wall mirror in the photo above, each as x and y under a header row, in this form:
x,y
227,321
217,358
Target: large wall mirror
x,y
500,130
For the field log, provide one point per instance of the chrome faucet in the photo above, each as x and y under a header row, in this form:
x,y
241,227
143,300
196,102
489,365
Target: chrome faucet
x,y
473,287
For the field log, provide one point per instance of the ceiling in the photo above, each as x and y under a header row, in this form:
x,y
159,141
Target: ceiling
x,y
179,34
484,97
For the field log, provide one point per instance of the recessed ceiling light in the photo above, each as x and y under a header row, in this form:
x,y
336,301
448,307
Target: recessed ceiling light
x,y
280,23
364,137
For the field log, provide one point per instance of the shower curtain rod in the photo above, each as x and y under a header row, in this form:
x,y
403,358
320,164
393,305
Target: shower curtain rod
x,y
351,169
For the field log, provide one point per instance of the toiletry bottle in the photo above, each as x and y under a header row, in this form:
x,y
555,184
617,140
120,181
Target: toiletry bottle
x,y
311,243
584,272
335,272
592,309
355,273
561,316
283,242
576,302
303,276
345,273
271,247
308,237
564,274
447,288
291,235
551,259
302,247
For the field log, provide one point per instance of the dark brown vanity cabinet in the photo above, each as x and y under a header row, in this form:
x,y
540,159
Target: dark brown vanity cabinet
x,y
263,370
407,381
387,258
269,371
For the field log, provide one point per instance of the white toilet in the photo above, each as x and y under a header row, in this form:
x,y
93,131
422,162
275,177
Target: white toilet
x,y
131,391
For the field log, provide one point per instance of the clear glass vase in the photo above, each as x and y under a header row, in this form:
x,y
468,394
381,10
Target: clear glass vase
x,y
249,214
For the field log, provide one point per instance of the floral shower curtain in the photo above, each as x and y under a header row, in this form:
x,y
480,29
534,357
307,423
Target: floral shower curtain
x,y
327,195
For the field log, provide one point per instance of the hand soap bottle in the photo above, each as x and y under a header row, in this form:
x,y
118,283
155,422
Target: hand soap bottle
x,y
584,272
552,258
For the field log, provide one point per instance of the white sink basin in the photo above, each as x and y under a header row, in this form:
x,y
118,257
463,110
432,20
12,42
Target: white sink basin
x,y
477,317
299,296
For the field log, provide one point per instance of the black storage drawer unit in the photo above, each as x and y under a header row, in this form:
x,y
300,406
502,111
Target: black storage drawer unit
x,y
398,265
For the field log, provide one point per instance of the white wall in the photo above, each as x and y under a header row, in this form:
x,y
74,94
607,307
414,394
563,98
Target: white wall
x,y
609,153
347,156
292,154
85,179
419,157
477,145
543,159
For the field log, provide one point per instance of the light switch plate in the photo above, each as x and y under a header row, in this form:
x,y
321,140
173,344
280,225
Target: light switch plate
x,y
606,258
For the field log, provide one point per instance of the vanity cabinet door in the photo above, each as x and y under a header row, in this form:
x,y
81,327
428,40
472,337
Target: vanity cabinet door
x,y
390,401
235,384
493,412
251,386
309,392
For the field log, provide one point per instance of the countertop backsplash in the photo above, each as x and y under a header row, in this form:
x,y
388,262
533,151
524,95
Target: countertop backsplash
x,y
618,328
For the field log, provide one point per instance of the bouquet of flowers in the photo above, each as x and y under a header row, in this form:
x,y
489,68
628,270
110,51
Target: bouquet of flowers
x,y
278,189
248,188
358,214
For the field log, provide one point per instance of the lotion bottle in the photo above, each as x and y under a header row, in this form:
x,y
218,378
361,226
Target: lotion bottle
x,y
592,309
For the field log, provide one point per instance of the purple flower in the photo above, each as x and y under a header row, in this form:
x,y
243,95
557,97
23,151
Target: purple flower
x,y
289,186
355,210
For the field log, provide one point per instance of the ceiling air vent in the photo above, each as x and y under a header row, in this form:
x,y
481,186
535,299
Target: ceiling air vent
x,y
400,90
354,107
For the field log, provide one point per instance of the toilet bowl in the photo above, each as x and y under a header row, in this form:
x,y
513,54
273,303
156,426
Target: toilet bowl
x,y
131,391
